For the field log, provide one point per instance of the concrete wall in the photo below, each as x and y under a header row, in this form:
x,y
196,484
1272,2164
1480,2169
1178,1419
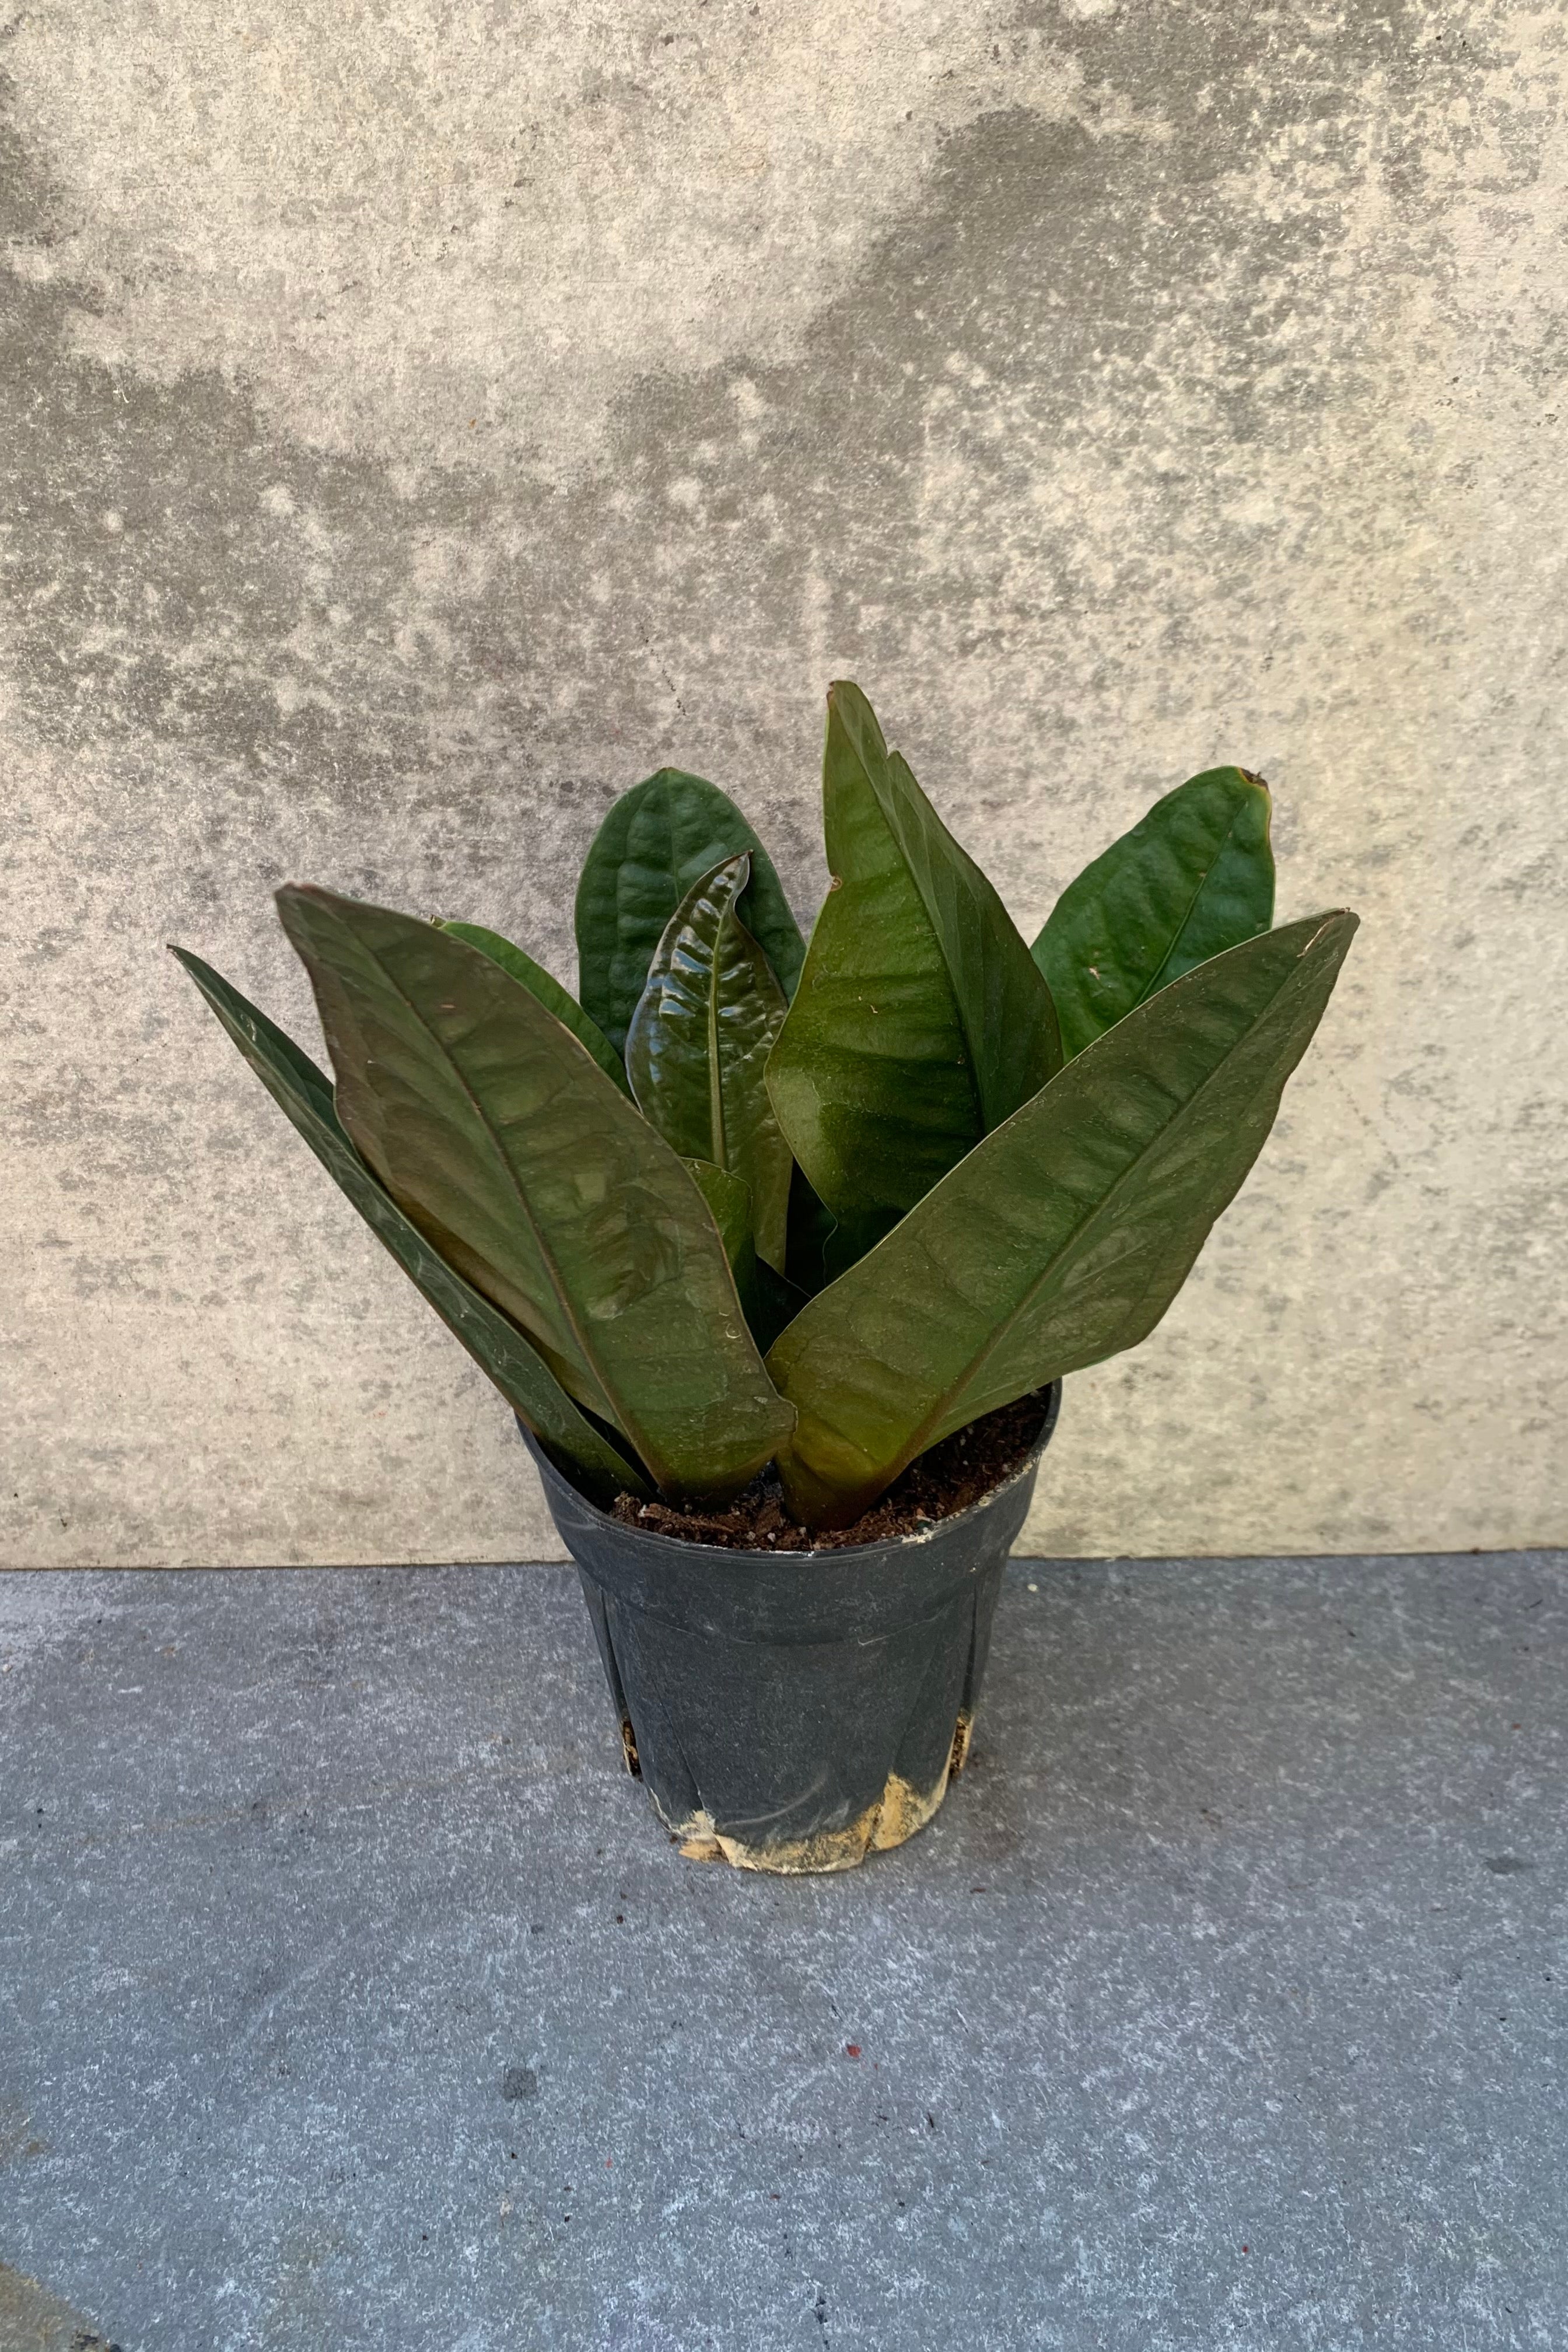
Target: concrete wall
x,y
421,420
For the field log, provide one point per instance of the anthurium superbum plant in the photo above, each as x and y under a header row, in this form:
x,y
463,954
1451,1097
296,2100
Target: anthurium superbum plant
x,y
746,1199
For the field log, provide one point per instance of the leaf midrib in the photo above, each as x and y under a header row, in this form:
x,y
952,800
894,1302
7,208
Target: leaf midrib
x,y
1153,986
716,1134
546,1253
970,1060
973,1048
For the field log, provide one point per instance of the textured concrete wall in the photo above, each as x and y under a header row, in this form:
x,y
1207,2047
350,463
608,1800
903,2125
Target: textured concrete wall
x,y
420,420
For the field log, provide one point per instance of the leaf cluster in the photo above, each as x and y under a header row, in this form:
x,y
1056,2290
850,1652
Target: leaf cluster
x,y
743,1198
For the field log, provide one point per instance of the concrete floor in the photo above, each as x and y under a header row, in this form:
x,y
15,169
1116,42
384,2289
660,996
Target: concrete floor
x,y
352,1996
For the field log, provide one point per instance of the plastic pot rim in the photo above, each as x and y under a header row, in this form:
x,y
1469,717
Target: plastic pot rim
x,y
807,1555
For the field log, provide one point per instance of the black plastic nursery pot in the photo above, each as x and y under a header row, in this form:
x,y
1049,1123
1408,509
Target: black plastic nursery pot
x,y
795,1711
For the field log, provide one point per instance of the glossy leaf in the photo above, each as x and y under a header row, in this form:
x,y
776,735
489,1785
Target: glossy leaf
x,y
522,1163
728,1198
549,992
697,1050
656,842
1064,1236
920,1021
1193,878
520,1374
769,1301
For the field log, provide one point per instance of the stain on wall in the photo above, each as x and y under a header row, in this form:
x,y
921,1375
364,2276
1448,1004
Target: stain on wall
x,y
422,426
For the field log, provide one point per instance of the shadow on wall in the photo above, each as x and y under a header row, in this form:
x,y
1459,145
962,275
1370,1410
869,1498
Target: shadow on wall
x,y
1007,438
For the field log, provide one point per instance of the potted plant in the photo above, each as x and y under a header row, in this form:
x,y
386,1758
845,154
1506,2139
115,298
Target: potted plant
x,y
780,1253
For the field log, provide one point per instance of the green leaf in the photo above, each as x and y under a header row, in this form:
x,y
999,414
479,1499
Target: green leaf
x,y
769,1300
697,1050
729,1200
549,992
812,1226
1065,1236
295,1083
657,841
520,1162
921,1022
1193,878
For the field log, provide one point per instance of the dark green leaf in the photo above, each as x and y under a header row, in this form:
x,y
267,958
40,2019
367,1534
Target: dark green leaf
x,y
850,1239
549,992
812,1226
768,1300
541,1183
657,841
730,1198
697,1050
1065,1236
919,1021
295,1083
771,1302
1193,878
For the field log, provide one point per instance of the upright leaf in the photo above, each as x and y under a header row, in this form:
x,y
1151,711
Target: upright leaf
x,y
729,1201
1193,878
529,1386
919,1021
656,842
549,992
768,1300
1065,1236
515,1156
697,1050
